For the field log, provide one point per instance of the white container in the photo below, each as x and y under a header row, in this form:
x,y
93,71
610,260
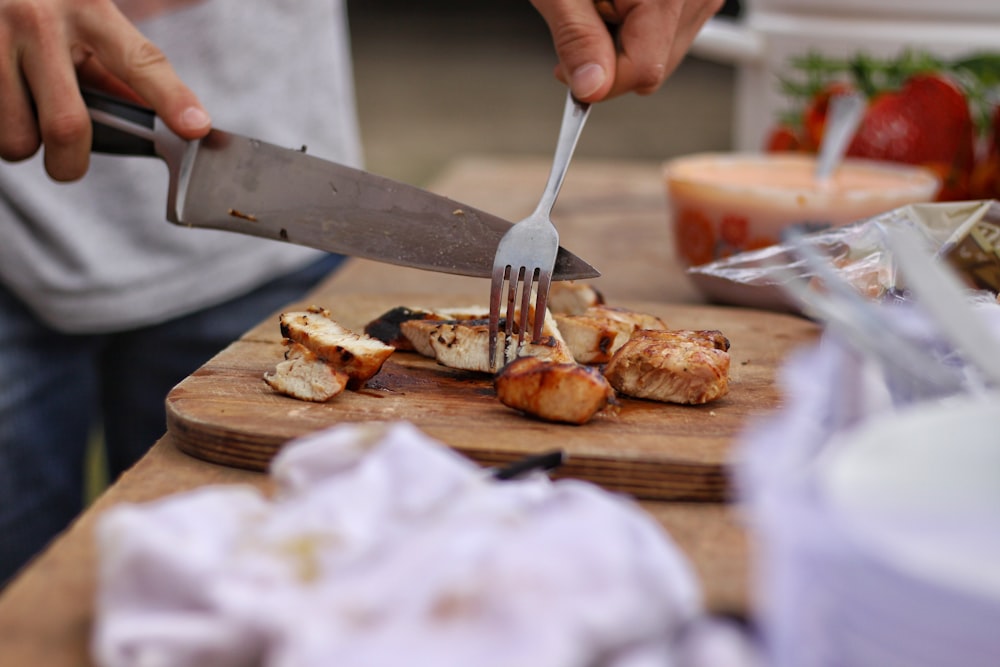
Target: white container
x,y
876,526
902,481
957,10
762,42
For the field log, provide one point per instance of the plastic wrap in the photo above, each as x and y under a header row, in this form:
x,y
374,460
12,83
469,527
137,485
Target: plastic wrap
x,y
965,234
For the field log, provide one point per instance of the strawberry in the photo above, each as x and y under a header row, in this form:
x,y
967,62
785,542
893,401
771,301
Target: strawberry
x,y
925,122
994,148
783,138
986,174
803,131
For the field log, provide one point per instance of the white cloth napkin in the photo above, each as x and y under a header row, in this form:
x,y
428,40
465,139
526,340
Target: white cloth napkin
x,y
384,547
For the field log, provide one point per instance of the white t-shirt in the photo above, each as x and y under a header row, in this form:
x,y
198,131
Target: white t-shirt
x,y
98,255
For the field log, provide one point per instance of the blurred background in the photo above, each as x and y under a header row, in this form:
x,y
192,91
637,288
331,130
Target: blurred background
x,y
442,79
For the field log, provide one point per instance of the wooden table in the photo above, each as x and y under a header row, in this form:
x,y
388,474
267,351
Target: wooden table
x,y
611,213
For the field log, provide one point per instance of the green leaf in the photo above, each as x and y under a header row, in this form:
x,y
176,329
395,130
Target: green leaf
x,y
984,66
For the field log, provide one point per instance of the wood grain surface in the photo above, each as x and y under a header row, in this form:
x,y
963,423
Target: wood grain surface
x,y
227,414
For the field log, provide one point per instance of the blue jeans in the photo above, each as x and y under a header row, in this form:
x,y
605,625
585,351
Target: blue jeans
x,y
55,388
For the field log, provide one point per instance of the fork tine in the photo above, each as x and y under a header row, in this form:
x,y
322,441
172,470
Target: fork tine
x,y
496,292
522,322
541,302
508,326
512,285
520,285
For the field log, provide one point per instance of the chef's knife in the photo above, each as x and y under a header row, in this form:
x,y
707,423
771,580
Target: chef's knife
x,y
235,183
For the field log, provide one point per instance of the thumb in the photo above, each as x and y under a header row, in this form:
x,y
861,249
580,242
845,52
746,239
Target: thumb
x,y
584,46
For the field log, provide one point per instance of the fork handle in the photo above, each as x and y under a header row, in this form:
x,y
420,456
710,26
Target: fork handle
x,y
574,117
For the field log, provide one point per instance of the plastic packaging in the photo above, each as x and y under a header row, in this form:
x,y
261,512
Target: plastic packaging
x,y
964,234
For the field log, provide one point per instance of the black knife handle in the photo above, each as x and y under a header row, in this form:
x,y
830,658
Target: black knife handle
x,y
536,462
117,141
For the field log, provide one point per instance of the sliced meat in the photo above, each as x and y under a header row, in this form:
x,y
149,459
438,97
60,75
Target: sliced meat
x,y
462,346
305,376
465,346
558,392
418,333
464,343
599,331
358,355
387,327
567,297
672,366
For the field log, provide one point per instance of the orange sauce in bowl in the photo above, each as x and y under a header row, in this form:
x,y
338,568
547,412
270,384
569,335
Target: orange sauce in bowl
x,y
725,203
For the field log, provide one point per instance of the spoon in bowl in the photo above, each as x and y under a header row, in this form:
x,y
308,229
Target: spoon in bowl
x,y
842,119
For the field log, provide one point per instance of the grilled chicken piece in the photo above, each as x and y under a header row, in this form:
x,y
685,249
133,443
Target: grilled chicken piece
x,y
558,392
387,327
358,355
465,346
571,298
418,333
599,331
305,376
672,366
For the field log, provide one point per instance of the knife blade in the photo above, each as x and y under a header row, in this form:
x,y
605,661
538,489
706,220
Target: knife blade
x,y
229,182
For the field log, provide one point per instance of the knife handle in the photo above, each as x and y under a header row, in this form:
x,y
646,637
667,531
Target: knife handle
x,y
120,127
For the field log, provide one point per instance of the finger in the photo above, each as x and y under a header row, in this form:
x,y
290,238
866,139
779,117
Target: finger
x,y
92,74
654,38
19,135
645,40
134,60
583,44
49,76
693,18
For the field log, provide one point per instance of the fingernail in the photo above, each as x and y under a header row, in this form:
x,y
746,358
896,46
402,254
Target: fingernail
x,y
587,79
194,118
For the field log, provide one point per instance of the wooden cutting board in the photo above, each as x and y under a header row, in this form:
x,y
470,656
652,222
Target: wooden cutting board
x,y
227,414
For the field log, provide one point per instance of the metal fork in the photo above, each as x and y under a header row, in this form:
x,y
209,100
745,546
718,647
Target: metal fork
x,y
526,254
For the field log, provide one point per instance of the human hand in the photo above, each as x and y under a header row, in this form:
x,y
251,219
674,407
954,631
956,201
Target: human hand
x,y
652,39
53,47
